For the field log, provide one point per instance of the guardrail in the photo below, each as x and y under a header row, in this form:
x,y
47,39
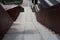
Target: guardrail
x,y
50,17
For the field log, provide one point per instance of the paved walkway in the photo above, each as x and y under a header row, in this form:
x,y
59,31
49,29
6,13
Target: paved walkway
x,y
27,2
26,27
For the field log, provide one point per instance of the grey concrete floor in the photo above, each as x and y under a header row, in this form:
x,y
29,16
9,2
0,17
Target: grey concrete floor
x,y
26,27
